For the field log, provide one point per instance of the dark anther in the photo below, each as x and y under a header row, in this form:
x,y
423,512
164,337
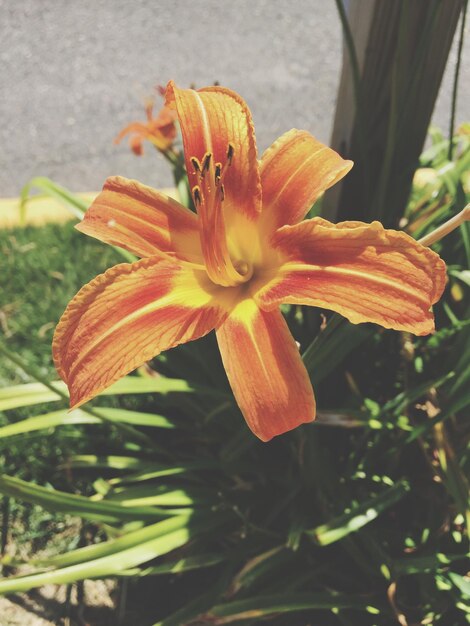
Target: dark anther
x,y
230,153
197,195
206,161
218,170
196,164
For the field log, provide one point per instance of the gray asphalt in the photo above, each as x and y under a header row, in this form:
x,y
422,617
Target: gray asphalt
x,y
73,73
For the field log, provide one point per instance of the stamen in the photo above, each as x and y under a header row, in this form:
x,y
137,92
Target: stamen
x,y
197,195
209,194
446,228
196,164
206,161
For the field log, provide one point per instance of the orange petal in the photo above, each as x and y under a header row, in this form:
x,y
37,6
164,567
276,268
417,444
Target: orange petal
x,y
295,170
161,130
136,143
211,119
138,132
128,315
136,128
364,272
222,165
263,365
164,122
142,220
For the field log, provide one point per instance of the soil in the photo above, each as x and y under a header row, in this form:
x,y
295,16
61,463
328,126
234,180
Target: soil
x,y
47,606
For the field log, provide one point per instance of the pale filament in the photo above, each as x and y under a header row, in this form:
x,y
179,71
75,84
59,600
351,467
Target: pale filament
x,y
208,197
446,228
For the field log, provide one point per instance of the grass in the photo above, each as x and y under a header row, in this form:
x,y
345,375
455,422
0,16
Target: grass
x,y
42,268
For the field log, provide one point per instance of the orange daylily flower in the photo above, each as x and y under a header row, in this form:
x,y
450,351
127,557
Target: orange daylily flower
x,y
160,130
231,266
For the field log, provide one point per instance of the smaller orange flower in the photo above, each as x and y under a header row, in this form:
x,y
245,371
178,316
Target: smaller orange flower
x,y
160,130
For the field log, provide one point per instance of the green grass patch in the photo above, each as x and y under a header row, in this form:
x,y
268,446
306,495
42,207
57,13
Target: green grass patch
x,y
42,269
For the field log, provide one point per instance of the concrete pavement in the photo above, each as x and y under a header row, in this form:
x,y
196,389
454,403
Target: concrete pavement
x,y
74,73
